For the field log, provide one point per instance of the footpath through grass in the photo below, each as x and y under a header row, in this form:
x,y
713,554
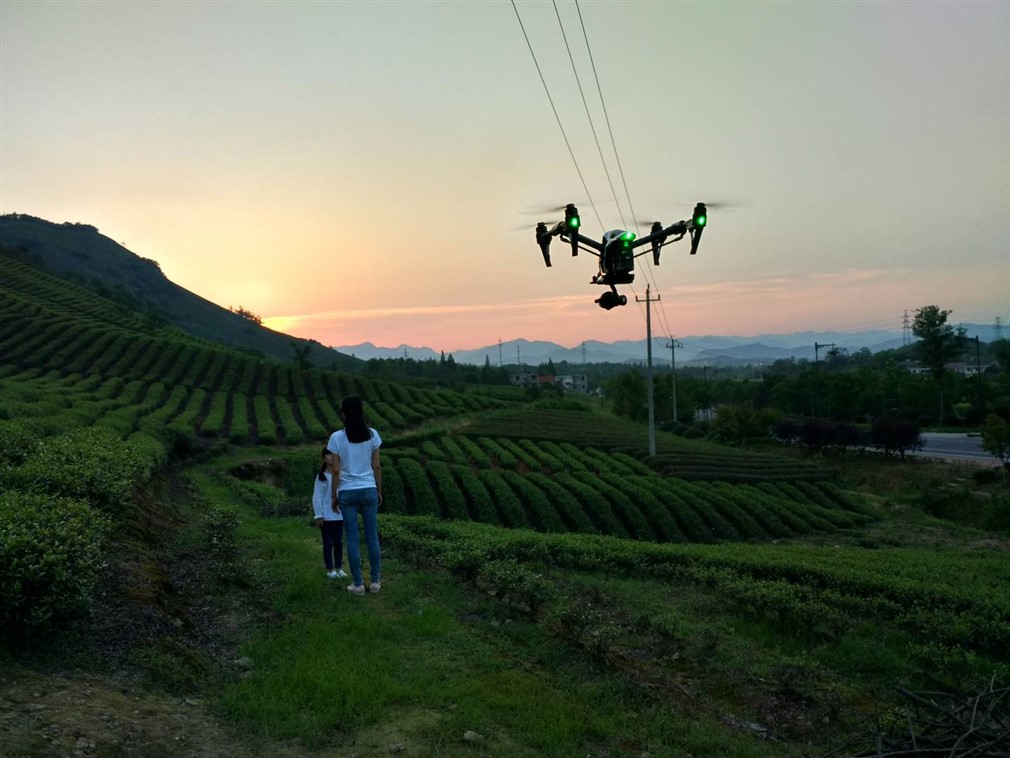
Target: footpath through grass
x,y
426,667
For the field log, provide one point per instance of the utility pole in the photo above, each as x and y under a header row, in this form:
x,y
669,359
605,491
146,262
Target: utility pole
x,y
817,376
673,345
648,374
978,375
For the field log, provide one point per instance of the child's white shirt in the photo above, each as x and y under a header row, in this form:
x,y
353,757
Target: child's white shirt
x,y
322,499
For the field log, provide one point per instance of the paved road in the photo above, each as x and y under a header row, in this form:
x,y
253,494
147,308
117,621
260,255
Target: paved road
x,y
955,447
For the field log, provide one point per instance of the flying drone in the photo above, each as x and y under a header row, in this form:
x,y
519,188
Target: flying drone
x,y
616,251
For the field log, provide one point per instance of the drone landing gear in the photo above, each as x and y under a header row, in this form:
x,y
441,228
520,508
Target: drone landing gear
x,y
609,300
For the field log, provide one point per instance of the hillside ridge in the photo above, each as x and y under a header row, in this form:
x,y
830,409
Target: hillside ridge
x,y
82,253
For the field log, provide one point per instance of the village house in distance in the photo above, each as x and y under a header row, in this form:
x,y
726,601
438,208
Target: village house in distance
x,y
570,382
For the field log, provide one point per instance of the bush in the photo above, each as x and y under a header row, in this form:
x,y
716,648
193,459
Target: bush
x,y
817,433
786,430
521,590
219,530
50,556
16,443
92,464
894,435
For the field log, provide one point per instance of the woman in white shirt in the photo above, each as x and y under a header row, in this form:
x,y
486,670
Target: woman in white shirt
x,y
329,520
357,488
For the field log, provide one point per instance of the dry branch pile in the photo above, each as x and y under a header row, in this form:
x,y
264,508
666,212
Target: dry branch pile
x,y
943,724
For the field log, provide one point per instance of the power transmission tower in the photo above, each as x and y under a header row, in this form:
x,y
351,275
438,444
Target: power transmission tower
x,y
906,331
999,329
583,352
501,361
648,343
673,344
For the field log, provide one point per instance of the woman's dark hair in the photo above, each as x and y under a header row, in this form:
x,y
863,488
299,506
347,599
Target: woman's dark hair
x,y
322,469
354,419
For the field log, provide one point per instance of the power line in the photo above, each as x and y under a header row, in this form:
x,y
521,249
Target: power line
x,y
585,105
553,108
617,157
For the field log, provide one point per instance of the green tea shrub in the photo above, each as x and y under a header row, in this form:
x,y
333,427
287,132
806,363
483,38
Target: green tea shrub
x,y
523,591
91,464
50,556
16,443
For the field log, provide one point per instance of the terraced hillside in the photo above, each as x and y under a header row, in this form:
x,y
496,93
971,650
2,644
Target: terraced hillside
x,y
62,340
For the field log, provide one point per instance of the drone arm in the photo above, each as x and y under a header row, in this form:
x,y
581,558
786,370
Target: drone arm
x,y
680,228
577,239
662,244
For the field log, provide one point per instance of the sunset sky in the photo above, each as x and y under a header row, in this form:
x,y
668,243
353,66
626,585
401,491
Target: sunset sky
x,y
358,171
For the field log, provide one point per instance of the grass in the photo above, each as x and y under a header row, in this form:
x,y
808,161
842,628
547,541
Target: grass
x,y
646,664
425,662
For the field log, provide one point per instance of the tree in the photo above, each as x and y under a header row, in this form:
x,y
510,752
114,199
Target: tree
x,y
996,439
627,395
738,423
248,315
939,343
302,352
894,435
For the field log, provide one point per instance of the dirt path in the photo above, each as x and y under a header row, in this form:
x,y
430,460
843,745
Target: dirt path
x,y
86,715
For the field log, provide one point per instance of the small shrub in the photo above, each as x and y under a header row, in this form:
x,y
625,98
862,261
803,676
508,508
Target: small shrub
x,y
50,556
786,430
16,443
520,589
894,435
219,530
985,475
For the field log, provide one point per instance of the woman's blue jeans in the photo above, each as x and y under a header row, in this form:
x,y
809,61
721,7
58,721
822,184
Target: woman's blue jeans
x,y
365,502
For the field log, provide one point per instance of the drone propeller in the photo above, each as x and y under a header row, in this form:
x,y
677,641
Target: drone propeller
x,y
727,204
542,209
723,204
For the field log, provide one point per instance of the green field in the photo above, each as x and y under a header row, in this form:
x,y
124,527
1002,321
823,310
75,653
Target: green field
x,y
548,588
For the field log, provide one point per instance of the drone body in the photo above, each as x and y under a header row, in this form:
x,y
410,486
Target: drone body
x,y
616,251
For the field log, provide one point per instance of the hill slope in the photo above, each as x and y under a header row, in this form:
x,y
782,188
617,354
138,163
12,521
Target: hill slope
x,y
80,252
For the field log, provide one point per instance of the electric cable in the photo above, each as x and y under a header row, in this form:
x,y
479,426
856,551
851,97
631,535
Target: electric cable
x,y
617,156
585,105
556,116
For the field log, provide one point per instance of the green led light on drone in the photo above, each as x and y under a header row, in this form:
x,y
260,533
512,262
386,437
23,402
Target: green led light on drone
x,y
700,221
574,222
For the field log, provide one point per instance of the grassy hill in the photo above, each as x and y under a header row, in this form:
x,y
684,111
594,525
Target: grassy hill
x,y
548,588
80,252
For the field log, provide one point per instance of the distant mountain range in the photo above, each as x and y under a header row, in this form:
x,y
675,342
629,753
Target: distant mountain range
x,y
690,351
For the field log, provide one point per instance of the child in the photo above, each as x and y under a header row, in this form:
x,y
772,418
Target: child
x,y
329,519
